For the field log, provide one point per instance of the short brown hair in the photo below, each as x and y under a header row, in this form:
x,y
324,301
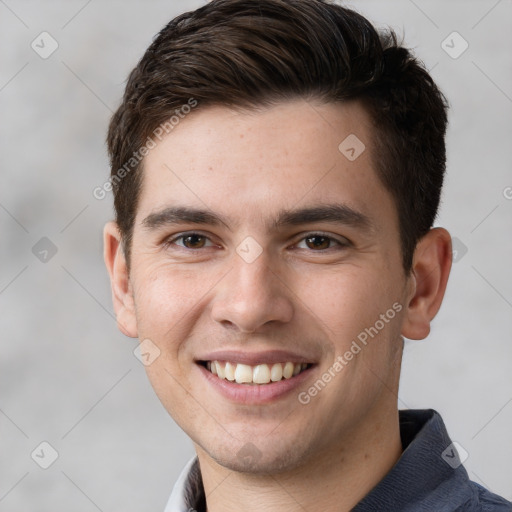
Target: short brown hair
x,y
252,54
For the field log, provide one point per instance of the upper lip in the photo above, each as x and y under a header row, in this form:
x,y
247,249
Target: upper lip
x,y
255,358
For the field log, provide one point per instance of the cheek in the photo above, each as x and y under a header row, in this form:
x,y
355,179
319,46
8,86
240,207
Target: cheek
x,y
165,299
168,304
347,298
358,307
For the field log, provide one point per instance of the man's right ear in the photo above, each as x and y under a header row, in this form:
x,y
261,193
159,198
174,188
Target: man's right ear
x,y
122,293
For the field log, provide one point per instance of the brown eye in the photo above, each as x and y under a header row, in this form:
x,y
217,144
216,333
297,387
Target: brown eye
x,y
318,242
194,241
191,241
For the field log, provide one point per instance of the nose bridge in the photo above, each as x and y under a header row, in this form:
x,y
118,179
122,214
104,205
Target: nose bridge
x,y
254,282
252,295
253,273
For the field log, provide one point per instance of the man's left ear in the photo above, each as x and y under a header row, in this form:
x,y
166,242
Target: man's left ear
x,y
432,262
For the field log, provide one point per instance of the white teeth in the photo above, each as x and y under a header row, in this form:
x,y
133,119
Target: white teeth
x,y
243,373
259,374
276,373
229,371
220,370
288,370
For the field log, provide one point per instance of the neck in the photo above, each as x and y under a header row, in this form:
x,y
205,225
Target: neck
x,y
333,480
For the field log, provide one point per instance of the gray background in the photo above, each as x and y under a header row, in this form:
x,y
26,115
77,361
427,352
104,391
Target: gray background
x,y
70,378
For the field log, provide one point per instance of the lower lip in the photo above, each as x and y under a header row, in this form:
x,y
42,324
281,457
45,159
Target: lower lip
x,y
255,393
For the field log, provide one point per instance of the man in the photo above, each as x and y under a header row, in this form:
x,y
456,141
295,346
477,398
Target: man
x,y
277,167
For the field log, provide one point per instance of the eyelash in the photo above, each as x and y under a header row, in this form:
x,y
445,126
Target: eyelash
x,y
341,244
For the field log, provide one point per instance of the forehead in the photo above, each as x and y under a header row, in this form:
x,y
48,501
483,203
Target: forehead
x,y
261,161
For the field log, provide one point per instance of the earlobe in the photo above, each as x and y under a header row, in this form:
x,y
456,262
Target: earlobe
x,y
431,268
122,295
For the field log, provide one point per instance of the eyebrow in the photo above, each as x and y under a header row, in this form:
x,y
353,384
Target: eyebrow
x,y
181,215
331,213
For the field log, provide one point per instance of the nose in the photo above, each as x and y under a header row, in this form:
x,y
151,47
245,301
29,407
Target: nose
x,y
252,296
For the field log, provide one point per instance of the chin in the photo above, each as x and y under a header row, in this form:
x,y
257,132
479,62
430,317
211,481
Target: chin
x,y
256,460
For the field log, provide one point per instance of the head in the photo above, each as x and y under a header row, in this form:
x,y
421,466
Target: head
x,y
300,155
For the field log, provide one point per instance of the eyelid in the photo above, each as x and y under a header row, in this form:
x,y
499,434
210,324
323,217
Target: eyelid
x,y
341,241
170,240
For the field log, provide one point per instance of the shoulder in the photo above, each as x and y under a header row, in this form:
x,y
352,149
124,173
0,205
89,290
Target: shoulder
x,y
483,500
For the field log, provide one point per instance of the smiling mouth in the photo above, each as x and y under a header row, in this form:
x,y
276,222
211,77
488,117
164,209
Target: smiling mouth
x,y
259,374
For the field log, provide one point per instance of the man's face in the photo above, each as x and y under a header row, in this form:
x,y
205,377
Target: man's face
x,y
296,254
